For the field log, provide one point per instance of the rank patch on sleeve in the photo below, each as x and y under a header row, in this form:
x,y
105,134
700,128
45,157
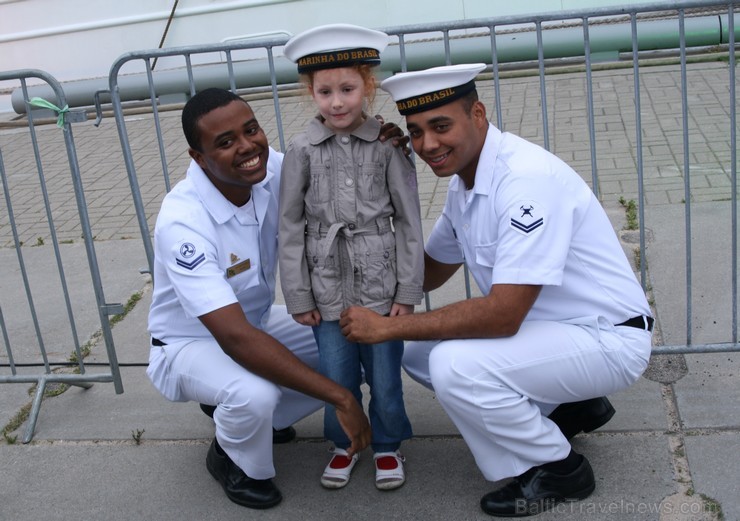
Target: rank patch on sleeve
x,y
527,217
188,256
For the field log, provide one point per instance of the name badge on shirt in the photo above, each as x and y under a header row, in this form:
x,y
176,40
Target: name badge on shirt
x,y
236,269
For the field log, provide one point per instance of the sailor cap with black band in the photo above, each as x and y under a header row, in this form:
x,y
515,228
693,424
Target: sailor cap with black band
x,y
419,91
335,45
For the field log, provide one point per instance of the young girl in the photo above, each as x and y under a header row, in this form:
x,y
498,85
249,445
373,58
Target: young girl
x,y
350,234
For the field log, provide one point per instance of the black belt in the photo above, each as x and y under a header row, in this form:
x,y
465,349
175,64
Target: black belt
x,y
157,342
640,322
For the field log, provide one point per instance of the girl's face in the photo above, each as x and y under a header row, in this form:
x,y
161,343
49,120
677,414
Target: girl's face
x,y
339,95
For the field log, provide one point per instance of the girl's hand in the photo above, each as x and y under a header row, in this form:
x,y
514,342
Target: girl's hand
x,y
401,309
309,318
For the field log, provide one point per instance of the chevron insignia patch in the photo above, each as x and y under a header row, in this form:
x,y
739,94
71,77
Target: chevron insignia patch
x,y
527,217
187,257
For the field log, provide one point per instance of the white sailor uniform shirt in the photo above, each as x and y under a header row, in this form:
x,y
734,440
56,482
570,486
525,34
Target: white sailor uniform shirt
x,y
210,253
531,219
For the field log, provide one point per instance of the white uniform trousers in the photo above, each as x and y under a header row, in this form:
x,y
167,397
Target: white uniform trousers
x,y
248,406
498,392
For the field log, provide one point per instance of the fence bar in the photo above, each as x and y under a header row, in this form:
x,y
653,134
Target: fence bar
x,y
496,83
543,87
157,124
733,163
590,107
686,175
638,142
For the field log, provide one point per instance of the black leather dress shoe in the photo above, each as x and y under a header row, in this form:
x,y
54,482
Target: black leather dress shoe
x,y
537,490
584,416
283,435
208,409
240,488
278,435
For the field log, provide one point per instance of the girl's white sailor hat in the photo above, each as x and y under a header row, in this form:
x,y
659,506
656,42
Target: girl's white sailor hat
x,y
419,91
335,45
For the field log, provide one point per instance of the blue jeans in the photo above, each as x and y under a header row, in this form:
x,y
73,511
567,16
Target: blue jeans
x,y
343,361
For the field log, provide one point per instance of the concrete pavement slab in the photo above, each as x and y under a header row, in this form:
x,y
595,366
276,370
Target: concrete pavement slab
x,y
714,459
708,395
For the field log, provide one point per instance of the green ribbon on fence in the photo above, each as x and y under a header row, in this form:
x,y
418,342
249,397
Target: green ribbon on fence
x,y
40,102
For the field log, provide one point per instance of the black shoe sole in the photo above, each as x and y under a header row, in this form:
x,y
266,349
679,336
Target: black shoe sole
x,y
599,421
285,435
538,507
571,423
258,506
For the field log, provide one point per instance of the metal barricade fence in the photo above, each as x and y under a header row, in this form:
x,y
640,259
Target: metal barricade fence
x,y
45,329
573,81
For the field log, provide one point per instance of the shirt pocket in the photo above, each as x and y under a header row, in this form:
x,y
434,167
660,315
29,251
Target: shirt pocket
x,y
245,278
319,189
371,180
378,277
485,254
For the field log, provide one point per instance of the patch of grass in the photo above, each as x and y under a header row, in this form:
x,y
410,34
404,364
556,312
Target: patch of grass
x,y
15,422
55,389
630,212
132,301
713,506
85,349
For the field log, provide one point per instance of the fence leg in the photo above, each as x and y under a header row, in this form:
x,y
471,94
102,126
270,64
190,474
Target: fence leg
x,y
36,407
34,414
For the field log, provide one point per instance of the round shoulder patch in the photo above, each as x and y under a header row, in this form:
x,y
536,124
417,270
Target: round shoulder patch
x,y
189,256
527,217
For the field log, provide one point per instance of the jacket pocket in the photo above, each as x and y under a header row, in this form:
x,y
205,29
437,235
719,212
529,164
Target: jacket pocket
x,y
319,191
378,277
371,180
326,280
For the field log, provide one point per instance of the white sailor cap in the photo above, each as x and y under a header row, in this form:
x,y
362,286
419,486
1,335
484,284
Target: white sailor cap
x,y
418,91
335,45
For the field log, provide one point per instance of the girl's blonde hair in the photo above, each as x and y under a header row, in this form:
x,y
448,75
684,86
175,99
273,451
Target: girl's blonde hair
x,y
364,70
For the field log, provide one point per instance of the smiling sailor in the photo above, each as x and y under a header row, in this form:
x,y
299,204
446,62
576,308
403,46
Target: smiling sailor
x,y
562,320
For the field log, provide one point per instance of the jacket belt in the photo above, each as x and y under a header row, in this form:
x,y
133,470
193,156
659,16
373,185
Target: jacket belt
x,y
640,322
381,226
328,236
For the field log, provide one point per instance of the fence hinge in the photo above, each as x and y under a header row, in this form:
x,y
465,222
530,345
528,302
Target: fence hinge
x,y
77,116
112,309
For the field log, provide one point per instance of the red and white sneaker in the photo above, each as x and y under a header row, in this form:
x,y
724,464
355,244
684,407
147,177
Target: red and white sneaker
x,y
389,472
337,472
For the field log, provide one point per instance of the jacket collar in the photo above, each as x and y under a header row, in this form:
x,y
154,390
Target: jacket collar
x,y
317,132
